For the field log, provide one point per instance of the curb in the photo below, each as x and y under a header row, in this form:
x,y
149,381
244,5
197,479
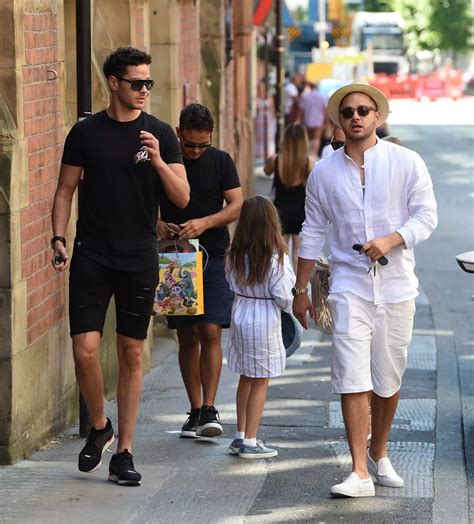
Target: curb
x,y
450,502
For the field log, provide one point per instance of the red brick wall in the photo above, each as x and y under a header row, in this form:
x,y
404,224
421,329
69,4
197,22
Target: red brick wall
x,y
44,135
189,52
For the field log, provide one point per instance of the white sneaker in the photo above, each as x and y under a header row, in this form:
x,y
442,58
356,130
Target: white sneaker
x,y
383,472
354,486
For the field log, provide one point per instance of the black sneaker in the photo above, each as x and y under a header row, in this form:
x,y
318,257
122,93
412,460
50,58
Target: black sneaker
x,y
122,471
209,424
98,441
189,428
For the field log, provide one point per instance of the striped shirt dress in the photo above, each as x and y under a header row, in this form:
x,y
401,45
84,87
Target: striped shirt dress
x,y
255,346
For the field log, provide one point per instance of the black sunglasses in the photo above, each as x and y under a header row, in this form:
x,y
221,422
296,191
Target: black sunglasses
x,y
336,144
348,112
137,85
192,145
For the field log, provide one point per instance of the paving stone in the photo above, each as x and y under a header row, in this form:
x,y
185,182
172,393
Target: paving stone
x,y
413,414
413,461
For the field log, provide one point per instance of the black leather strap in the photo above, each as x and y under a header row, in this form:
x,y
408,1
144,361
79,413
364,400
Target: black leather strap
x,y
55,239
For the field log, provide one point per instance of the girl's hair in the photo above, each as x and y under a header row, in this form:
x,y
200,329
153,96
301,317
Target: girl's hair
x,y
257,239
293,156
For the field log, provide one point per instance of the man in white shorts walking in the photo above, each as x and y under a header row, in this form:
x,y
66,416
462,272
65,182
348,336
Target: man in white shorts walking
x,y
376,198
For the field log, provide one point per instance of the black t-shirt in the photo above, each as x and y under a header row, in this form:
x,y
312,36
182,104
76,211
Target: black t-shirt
x,y
120,191
209,176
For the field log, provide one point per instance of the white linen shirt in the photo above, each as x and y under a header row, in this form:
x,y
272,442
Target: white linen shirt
x,y
398,197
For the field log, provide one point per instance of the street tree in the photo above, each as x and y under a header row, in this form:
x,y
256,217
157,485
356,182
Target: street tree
x,y
378,6
418,32
300,14
452,21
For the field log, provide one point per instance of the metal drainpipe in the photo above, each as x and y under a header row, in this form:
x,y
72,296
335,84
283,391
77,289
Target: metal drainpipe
x,y
267,89
279,39
84,109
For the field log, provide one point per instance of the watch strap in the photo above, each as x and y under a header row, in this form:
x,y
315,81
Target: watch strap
x,y
57,238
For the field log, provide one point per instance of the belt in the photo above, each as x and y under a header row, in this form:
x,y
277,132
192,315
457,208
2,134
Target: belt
x,y
255,298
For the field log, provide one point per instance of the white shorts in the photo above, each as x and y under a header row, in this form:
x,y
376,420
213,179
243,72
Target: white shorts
x,y
369,345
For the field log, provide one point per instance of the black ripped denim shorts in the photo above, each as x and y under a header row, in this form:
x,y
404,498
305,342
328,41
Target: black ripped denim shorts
x,y
92,285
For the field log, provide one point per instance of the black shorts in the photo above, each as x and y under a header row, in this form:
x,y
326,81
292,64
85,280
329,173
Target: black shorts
x,y
91,286
218,298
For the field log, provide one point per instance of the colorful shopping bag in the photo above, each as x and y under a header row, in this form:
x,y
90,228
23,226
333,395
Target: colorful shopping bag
x,y
180,285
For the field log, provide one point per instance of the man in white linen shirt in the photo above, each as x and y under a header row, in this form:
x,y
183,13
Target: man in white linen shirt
x,y
380,195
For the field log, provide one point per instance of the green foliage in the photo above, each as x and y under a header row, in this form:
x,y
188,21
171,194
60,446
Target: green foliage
x,y
164,260
300,14
379,6
417,17
436,24
452,21
267,52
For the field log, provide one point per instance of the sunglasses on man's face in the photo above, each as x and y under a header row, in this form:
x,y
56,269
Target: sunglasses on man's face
x,y
137,85
348,112
336,144
193,145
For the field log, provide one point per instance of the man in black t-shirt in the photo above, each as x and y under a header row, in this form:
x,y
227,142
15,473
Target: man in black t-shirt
x,y
125,162
213,179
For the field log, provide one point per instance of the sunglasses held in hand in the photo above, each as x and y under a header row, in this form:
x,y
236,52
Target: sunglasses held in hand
x,y
383,261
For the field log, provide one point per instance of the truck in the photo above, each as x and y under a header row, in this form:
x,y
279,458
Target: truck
x,y
380,35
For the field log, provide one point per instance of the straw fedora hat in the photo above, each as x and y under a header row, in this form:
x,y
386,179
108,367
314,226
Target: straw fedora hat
x,y
377,96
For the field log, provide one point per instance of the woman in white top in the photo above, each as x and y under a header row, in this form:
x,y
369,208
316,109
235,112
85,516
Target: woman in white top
x,y
260,274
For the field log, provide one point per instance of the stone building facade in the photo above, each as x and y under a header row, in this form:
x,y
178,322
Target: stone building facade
x,y
202,50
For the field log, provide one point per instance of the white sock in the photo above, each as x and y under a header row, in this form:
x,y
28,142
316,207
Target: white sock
x,y
239,434
250,442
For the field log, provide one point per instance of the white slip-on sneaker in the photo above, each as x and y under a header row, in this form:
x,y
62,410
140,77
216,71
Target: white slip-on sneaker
x,y
383,472
354,486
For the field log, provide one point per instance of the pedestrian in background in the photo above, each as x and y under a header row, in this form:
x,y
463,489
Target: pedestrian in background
x,y
393,139
313,107
377,199
337,141
290,168
260,274
126,160
213,179
292,90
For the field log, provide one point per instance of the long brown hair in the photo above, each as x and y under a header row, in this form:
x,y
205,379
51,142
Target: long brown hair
x,y
257,239
293,156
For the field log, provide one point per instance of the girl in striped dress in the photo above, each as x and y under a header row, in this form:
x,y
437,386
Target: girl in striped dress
x,y
259,273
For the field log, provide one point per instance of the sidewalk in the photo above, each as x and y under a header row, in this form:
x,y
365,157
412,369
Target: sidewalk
x,y
197,481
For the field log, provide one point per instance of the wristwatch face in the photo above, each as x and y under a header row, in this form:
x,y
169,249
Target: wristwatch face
x,y
295,291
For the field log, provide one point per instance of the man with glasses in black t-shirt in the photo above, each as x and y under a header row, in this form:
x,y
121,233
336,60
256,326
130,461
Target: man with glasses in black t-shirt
x,y
125,161
213,179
